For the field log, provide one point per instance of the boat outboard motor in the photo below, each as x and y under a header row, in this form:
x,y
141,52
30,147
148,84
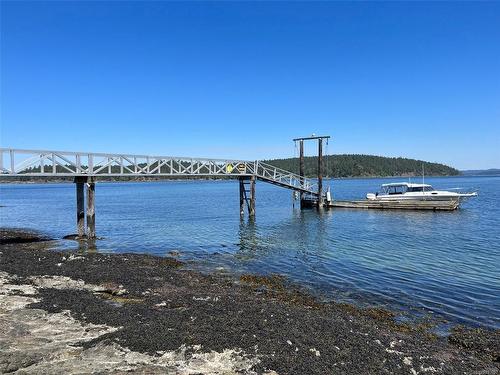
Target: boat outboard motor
x,y
371,196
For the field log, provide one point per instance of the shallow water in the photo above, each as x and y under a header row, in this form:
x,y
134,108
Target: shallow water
x,y
439,263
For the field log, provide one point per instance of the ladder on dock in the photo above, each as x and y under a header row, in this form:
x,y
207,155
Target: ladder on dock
x,y
247,195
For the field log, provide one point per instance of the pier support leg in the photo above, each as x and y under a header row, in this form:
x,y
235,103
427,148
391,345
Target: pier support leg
x,y
251,211
320,173
91,209
301,167
242,197
247,197
80,208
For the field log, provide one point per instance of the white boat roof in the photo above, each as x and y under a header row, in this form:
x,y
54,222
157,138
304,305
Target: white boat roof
x,y
407,184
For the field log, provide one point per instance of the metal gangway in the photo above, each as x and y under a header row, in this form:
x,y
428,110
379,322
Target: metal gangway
x,y
87,168
50,164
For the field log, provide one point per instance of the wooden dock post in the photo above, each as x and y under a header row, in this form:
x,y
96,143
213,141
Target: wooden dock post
x,y
91,208
301,166
80,206
320,173
251,211
242,196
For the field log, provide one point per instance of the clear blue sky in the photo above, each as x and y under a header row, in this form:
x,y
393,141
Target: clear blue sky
x,y
240,80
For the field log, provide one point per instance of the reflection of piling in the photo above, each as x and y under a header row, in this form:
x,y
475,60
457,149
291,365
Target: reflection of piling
x,y
248,235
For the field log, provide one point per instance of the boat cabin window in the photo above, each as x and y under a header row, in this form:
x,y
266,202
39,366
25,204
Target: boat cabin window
x,y
419,189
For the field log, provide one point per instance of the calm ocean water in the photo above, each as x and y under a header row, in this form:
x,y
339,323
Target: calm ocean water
x,y
445,264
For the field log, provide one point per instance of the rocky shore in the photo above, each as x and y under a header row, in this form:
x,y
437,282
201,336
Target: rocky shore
x,y
63,312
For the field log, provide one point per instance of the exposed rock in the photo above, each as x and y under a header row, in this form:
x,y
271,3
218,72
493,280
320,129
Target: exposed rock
x,y
34,341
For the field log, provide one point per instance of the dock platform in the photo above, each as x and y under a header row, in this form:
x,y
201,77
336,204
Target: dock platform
x,y
448,205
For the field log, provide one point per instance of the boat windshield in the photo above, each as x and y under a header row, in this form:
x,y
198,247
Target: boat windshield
x,y
392,190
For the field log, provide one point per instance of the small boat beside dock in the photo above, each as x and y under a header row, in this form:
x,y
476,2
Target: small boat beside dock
x,y
414,192
432,205
406,196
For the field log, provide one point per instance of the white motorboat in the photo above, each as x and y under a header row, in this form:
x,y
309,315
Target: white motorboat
x,y
409,191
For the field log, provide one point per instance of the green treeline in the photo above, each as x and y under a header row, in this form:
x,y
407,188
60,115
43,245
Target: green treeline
x,y
345,165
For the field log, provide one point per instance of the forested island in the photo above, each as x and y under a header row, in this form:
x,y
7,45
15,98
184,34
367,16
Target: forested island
x,y
354,165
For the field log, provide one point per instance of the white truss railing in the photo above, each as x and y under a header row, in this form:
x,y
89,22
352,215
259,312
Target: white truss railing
x,y
43,163
278,176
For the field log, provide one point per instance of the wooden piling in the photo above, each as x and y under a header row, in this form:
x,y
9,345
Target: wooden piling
x,y
91,208
80,207
242,196
320,172
251,211
301,165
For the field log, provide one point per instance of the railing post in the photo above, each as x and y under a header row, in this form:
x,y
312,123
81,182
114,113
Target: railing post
x,y
78,164
11,153
91,164
54,166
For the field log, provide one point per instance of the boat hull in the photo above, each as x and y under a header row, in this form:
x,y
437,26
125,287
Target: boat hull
x,y
435,196
406,204
424,198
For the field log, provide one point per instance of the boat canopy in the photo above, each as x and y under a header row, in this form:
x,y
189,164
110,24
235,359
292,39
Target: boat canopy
x,y
407,184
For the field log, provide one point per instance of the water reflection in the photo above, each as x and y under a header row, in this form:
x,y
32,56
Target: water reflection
x,y
88,246
248,239
304,233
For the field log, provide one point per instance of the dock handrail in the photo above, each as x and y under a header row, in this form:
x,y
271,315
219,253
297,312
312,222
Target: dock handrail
x,y
48,163
283,177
